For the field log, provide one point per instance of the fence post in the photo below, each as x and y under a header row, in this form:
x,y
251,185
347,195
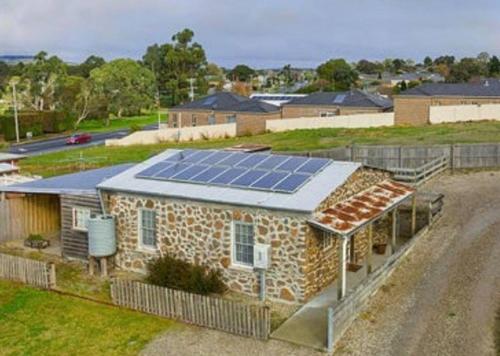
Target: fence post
x,y
452,158
52,275
353,153
329,336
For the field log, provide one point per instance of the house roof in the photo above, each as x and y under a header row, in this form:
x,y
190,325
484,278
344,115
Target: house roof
x,y
348,216
81,183
224,101
7,157
304,200
487,87
352,98
7,168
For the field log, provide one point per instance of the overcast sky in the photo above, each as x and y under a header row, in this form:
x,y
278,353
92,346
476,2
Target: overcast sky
x,y
257,32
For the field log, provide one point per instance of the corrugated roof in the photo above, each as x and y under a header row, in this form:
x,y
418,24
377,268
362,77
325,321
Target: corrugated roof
x,y
7,168
304,200
353,98
347,216
224,101
487,87
80,183
5,156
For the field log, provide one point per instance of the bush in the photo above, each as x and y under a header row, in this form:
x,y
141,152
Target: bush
x,y
35,237
38,123
135,127
170,272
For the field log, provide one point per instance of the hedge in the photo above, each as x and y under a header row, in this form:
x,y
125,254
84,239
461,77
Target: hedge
x,y
38,123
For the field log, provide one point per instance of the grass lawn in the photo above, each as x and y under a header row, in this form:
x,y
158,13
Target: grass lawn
x,y
298,140
119,123
35,322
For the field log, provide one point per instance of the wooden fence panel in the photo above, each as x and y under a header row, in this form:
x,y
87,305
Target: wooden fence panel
x,y
36,273
216,313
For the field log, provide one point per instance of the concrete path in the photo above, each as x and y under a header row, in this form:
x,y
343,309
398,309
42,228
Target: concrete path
x,y
308,326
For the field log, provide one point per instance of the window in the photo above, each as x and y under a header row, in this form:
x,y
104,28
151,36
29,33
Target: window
x,y
231,119
147,228
243,240
80,218
194,120
174,120
326,240
211,119
327,113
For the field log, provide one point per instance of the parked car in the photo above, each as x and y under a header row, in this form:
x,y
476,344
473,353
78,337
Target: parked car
x,y
78,138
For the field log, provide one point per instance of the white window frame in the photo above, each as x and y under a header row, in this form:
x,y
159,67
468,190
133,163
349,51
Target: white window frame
x,y
212,120
194,120
327,114
326,241
75,211
142,245
231,119
234,261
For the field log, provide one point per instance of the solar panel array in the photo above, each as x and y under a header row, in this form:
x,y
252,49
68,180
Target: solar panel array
x,y
260,171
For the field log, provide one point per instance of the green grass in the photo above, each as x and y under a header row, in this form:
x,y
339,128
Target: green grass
x,y
298,140
35,322
119,123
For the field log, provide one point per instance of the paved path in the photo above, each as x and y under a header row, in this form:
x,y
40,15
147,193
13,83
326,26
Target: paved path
x,y
443,299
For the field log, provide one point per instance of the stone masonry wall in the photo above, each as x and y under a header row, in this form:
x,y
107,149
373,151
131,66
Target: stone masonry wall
x,y
201,233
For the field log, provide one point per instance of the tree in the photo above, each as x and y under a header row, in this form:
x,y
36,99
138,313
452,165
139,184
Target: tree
x,y
338,73
4,74
494,66
447,60
242,73
124,86
174,64
287,75
84,69
465,70
427,62
403,85
398,64
367,67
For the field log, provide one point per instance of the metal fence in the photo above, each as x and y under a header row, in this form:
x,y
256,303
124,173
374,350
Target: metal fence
x,y
216,313
481,155
36,273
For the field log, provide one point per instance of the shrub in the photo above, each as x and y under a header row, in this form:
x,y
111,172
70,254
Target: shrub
x,y
135,127
170,272
38,122
35,237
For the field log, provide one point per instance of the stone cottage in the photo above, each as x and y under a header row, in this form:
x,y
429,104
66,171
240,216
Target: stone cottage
x,y
218,208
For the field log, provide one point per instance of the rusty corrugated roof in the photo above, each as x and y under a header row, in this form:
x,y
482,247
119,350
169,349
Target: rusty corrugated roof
x,y
347,216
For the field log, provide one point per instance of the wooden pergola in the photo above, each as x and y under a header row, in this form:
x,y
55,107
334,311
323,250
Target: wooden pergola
x,y
344,219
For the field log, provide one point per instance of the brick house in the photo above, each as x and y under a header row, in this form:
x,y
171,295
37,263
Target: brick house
x,y
250,115
312,217
413,106
324,104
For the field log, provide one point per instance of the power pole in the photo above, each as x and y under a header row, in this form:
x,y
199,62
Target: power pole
x,y
191,89
14,99
158,104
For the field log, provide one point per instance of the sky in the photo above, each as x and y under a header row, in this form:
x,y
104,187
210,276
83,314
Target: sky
x,y
259,33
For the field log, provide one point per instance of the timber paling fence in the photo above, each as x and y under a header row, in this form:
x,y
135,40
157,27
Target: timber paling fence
x,y
35,273
216,313
460,156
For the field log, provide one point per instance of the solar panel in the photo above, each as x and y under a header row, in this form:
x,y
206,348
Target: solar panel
x,y
210,100
276,173
172,171
228,176
151,171
248,178
313,165
291,183
269,180
292,164
339,98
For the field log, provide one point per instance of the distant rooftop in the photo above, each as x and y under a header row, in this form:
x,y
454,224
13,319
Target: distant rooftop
x,y
225,101
486,87
352,98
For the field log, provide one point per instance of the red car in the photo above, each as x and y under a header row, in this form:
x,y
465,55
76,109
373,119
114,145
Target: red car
x,y
78,138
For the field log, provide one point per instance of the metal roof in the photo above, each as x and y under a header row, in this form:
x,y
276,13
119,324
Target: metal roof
x,y
353,98
7,157
7,168
487,87
346,217
304,200
81,183
224,101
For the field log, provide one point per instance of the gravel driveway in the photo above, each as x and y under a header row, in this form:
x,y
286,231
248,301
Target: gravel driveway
x,y
443,298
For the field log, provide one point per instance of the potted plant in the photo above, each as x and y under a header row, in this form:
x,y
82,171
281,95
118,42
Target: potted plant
x,y
36,241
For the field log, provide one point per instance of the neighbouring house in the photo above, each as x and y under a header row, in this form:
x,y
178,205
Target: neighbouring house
x,y
249,115
324,104
55,207
302,220
8,169
10,158
413,105
277,99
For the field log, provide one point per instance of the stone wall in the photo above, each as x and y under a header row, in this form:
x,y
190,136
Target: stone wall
x,y
201,233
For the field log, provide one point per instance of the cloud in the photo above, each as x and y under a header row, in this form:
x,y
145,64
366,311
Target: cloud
x,y
260,33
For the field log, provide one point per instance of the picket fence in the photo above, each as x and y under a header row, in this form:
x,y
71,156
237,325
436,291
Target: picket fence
x,y
216,313
35,273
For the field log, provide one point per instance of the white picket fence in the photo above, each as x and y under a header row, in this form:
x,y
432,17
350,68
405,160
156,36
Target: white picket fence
x,y
35,273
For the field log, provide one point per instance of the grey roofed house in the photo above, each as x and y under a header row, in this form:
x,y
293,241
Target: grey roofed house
x,y
10,157
224,101
305,199
484,88
352,98
81,183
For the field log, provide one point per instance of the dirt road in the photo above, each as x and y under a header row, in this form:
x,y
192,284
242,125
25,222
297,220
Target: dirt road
x,y
443,298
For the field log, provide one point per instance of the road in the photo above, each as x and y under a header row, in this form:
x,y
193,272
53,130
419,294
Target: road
x,y
443,299
59,143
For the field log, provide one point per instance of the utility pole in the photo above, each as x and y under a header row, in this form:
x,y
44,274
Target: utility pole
x,y
191,89
158,105
14,99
